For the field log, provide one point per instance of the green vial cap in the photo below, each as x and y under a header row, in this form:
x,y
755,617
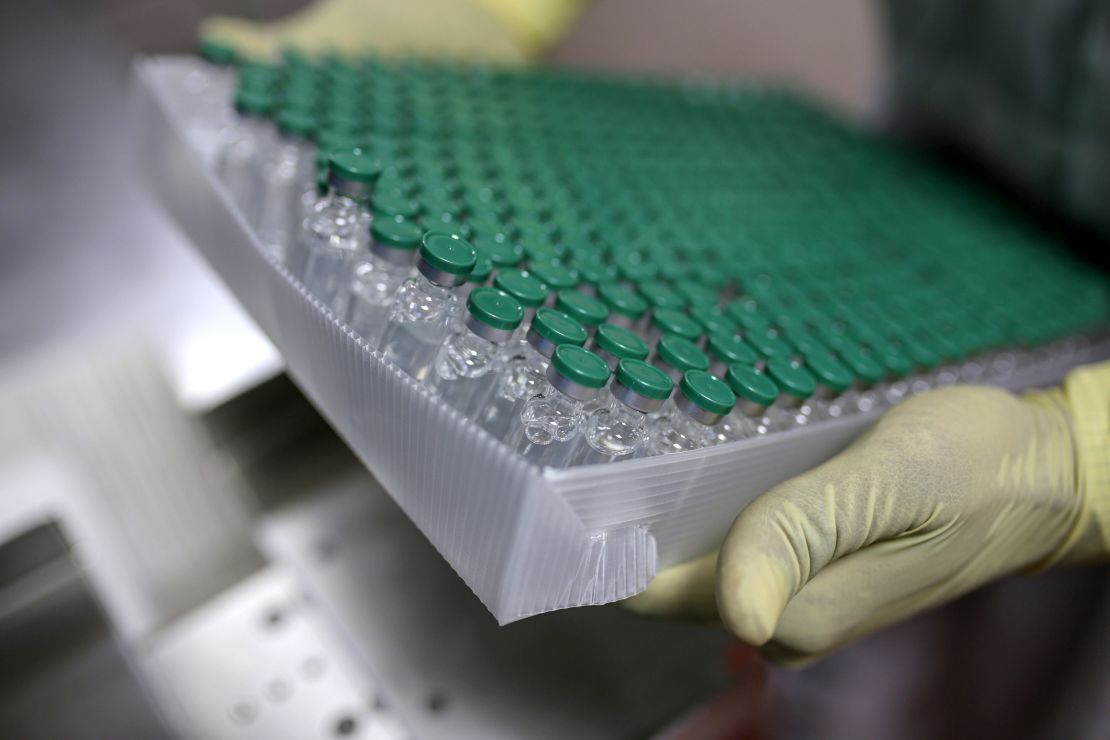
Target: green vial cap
x,y
808,345
483,268
727,348
659,295
790,378
503,253
585,309
580,366
768,345
921,354
635,269
644,379
393,203
673,321
696,294
707,392
622,301
558,328
620,342
554,275
297,123
862,364
830,372
896,362
522,286
680,353
495,309
595,273
539,252
254,102
712,320
396,233
448,254
750,384
216,52
355,165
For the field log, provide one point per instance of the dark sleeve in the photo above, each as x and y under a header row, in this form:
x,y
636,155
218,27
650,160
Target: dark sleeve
x,y
1021,85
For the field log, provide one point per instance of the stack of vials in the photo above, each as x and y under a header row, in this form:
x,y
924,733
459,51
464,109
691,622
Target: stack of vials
x,y
596,269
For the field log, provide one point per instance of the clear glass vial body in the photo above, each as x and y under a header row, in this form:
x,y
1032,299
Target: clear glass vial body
x,y
335,234
419,318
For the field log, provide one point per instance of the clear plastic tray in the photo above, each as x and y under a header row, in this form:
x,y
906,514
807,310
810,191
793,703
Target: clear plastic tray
x,y
525,540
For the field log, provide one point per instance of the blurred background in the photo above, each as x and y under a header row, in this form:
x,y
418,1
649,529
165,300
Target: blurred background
x,y
187,550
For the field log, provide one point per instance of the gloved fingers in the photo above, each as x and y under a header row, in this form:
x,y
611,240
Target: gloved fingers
x,y
896,578
686,591
791,533
865,591
458,30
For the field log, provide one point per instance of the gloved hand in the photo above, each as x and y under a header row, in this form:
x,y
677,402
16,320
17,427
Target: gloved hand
x,y
946,492
505,31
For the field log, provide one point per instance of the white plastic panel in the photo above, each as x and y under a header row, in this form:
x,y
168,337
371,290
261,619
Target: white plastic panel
x,y
526,541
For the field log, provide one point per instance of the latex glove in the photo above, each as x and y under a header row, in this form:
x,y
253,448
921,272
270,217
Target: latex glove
x,y
505,31
946,492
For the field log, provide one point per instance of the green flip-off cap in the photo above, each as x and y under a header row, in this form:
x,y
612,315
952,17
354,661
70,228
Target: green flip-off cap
x,y
216,51
483,268
808,345
862,364
522,286
396,233
449,254
921,354
620,342
712,320
695,293
659,295
392,202
553,274
355,165
752,323
634,268
587,310
501,252
595,273
622,301
558,328
296,122
538,251
726,347
680,353
644,379
830,372
711,276
707,392
673,321
254,102
897,363
495,308
768,345
790,378
948,350
580,366
751,385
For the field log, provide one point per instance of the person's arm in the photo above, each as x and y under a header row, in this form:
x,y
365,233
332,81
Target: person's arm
x,y
946,492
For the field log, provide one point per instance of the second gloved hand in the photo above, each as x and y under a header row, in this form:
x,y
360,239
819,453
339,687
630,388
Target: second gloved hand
x,y
946,492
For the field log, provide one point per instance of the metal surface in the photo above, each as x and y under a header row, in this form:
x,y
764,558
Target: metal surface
x,y
258,662
64,674
450,670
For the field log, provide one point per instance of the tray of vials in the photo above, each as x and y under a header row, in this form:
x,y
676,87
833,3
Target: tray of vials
x,y
574,322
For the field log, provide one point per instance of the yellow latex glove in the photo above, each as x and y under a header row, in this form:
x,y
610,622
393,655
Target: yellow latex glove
x,y
946,492
505,31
